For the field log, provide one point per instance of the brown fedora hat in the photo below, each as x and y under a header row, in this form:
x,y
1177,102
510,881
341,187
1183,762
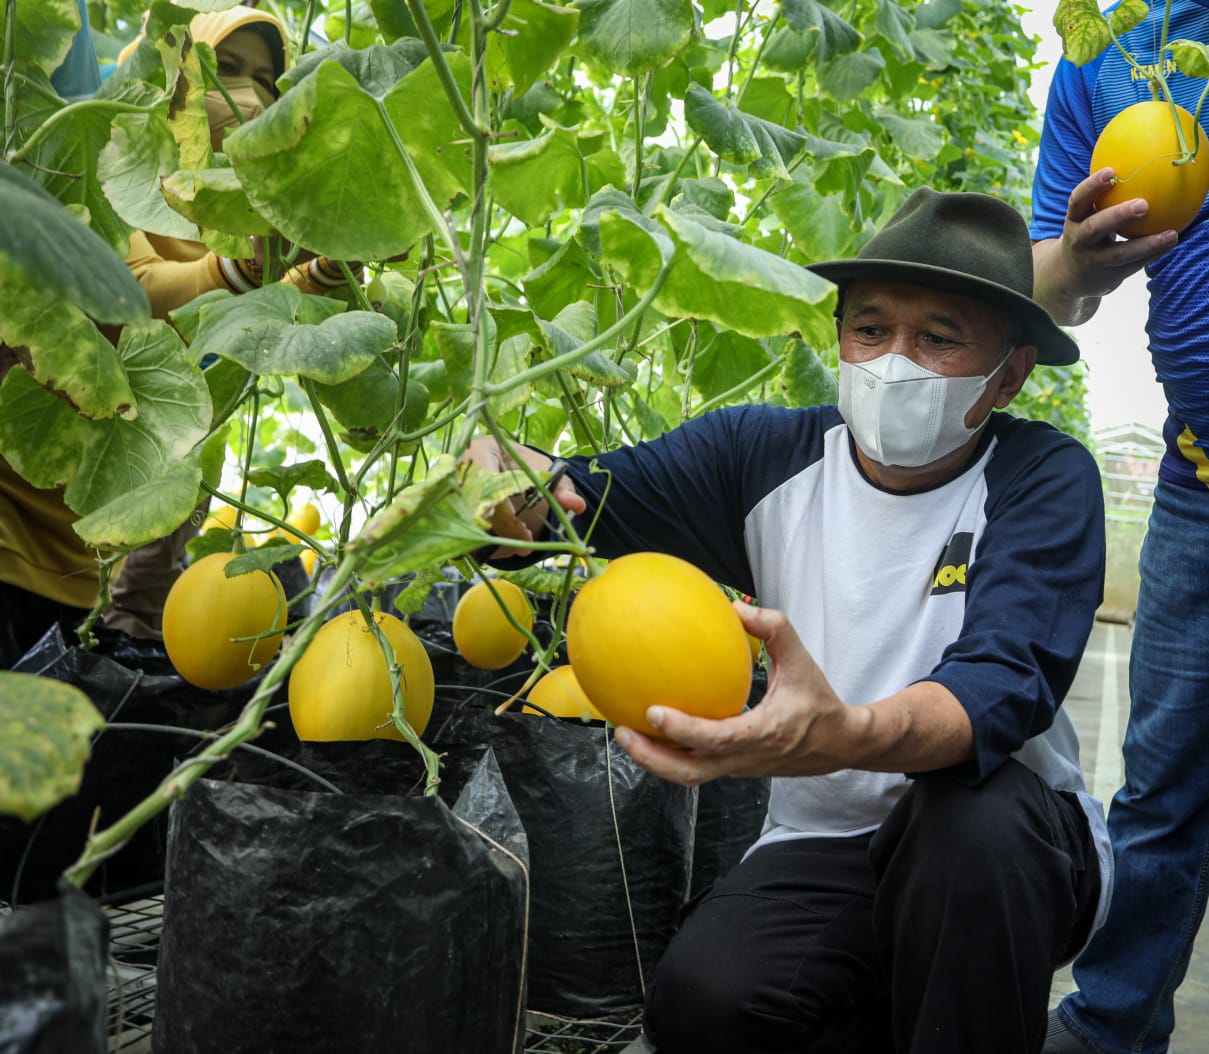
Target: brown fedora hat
x,y
971,244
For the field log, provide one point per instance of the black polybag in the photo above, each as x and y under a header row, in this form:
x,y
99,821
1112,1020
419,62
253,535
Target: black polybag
x,y
52,977
378,920
730,815
611,848
129,681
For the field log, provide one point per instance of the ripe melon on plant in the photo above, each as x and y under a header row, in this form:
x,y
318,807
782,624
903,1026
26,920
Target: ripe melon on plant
x,y
653,629
481,631
559,694
340,689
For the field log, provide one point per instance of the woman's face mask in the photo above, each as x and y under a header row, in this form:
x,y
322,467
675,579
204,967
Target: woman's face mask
x,y
249,96
904,415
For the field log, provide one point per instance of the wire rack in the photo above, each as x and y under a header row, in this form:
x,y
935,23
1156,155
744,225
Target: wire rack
x,y
134,936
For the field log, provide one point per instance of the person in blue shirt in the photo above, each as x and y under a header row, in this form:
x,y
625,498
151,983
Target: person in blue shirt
x,y
928,572
1159,819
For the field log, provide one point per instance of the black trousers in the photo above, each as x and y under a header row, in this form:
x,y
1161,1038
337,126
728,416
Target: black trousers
x,y
937,934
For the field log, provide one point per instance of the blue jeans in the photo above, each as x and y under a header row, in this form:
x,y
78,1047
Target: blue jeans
x,y
1159,820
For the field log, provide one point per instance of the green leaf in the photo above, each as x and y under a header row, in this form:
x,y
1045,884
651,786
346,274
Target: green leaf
x,y
52,251
534,178
832,35
213,198
788,50
64,162
455,343
718,278
141,152
632,36
46,730
739,137
1084,31
44,32
560,280
285,478
574,327
366,404
895,24
264,332
66,353
100,461
917,137
321,165
431,522
1128,15
850,76
377,69
1191,56
531,39
150,511
263,559
725,360
819,224
711,195
806,380
611,200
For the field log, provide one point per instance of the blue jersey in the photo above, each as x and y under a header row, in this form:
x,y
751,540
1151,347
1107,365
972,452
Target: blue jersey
x,y
986,584
1082,100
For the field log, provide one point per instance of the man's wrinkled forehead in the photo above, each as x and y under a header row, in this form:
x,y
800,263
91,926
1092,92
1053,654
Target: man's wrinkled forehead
x,y
867,296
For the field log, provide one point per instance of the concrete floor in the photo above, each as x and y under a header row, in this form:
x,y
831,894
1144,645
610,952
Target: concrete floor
x,y
1099,706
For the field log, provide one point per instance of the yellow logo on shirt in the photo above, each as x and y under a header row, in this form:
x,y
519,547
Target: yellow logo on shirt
x,y
949,574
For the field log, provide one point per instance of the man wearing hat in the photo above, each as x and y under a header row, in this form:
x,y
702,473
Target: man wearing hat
x,y
928,573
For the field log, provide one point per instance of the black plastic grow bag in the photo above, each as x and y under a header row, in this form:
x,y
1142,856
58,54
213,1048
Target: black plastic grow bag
x,y
376,920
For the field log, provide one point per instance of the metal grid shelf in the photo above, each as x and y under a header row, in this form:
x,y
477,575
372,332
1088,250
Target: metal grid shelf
x,y
134,934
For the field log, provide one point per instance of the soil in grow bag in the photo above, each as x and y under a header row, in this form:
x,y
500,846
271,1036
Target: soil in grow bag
x,y
611,848
52,977
374,920
131,682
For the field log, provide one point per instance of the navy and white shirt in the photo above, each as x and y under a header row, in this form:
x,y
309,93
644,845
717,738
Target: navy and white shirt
x,y
987,584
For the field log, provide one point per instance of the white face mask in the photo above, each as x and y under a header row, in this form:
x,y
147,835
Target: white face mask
x,y
902,414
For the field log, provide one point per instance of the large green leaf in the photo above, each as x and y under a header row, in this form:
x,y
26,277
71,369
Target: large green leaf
x,y
739,137
140,153
66,353
51,250
895,23
632,36
532,38
574,326
365,405
716,277
850,76
560,280
534,178
1084,31
806,380
44,32
269,332
214,198
321,165
442,517
916,137
102,461
151,510
819,224
46,730
831,34
64,161
725,359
